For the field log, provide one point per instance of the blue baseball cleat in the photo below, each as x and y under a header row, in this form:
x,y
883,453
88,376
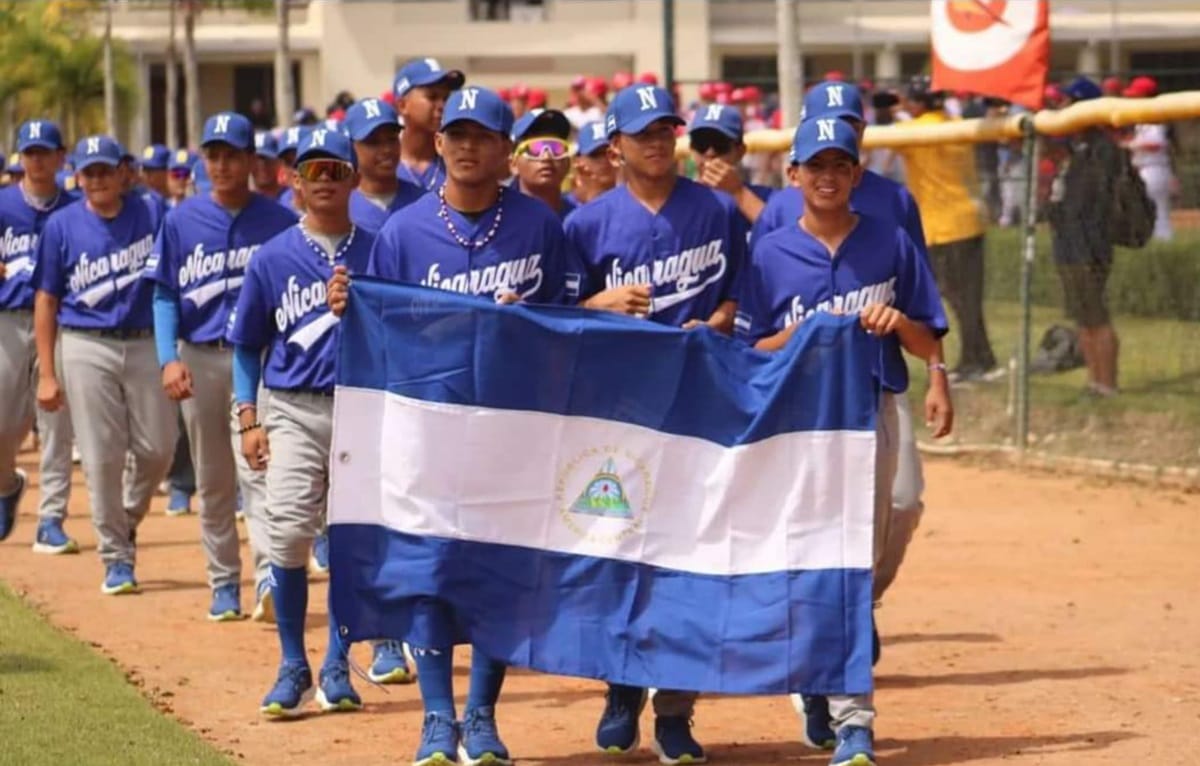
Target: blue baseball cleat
x,y
618,730
52,539
318,562
293,688
390,665
439,740
855,747
179,503
226,604
817,731
674,743
334,692
480,739
119,579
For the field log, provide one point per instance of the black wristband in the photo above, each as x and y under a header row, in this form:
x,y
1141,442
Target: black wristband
x,y
247,429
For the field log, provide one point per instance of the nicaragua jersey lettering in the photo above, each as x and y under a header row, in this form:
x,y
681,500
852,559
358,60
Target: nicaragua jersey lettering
x,y
875,196
94,266
527,256
282,308
20,227
690,252
201,254
368,215
791,276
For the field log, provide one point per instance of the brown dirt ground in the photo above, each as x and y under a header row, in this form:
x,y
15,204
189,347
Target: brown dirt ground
x,y
1039,620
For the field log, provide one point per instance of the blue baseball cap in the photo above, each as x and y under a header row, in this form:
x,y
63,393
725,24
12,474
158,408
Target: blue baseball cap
x,y
14,164
182,159
541,122
817,134
200,179
265,145
593,136
1083,89
97,150
228,128
481,106
832,98
42,134
321,142
364,117
726,120
155,157
416,73
633,109
292,137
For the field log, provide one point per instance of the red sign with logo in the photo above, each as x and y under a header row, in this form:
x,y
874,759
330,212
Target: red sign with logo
x,y
997,48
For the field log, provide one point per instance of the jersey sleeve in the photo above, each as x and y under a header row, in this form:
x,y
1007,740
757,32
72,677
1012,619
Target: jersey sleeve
x,y
752,322
251,322
738,234
580,242
917,295
48,273
384,258
161,267
769,220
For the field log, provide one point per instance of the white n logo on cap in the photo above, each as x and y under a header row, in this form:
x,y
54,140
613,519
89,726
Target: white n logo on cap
x,y
825,129
834,92
259,140
318,138
93,145
714,112
468,99
433,64
598,131
35,129
222,123
648,98
293,135
371,106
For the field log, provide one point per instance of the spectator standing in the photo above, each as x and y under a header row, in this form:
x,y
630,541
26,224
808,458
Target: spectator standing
x,y
1151,150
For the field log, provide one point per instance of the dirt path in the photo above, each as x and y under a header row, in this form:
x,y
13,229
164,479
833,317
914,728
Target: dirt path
x,y
1039,620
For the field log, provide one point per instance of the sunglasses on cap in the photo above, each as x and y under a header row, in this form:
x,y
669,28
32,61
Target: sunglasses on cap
x,y
324,168
704,140
180,173
543,148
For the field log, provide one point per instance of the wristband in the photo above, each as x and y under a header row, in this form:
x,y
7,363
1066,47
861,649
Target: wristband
x,y
247,429
939,366
242,407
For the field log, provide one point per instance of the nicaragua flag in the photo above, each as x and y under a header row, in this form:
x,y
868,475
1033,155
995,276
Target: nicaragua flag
x,y
594,495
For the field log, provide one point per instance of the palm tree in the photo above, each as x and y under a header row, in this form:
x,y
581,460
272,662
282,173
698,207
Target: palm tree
x,y
172,79
110,93
285,97
191,70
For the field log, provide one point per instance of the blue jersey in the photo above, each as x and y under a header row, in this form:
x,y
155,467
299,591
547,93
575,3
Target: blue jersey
x,y
94,266
527,256
21,226
287,198
282,308
875,195
791,275
368,215
690,252
155,202
200,257
429,179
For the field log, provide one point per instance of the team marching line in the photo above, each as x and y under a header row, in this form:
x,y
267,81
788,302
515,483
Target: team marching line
x,y
126,303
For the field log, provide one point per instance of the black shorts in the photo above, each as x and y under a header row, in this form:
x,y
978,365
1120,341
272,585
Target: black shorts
x,y
1084,291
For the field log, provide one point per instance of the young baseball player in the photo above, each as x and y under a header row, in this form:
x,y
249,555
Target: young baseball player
x,y
197,267
265,173
130,184
24,209
836,260
284,334
662,247
13,172
179,173
475,237
716,136
421,88
90,260
287,159
372,126
594,172
541,157
155,159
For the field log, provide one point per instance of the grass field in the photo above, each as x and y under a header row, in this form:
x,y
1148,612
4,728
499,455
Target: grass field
x,y
61,703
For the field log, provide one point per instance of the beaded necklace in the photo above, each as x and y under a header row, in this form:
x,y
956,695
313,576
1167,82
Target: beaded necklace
x,y
316,246
41,207
444,214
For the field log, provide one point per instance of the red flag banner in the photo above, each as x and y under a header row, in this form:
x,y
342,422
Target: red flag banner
x,y
997,48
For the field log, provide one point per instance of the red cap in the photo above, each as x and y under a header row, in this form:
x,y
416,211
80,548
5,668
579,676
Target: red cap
x,y
648,78
537,98
520,92
723,98
1112,86
578,82
723,87
597,86
1141,87
388,97
776,120
504,93
622,80
753,94
1053,94
866,85
707,91
834,75
738,96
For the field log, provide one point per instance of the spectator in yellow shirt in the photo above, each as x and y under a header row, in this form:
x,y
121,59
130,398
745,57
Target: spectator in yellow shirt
x,y
942,178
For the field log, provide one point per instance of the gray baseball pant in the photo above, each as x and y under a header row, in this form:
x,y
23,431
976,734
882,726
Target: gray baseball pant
x,y
299,431
907,507
18,390
859,709
115,393
219,464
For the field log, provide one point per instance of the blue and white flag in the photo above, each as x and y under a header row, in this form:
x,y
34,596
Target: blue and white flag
x,y
593,495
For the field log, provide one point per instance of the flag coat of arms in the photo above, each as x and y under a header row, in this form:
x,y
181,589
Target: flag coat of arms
x,y
594,495
998,48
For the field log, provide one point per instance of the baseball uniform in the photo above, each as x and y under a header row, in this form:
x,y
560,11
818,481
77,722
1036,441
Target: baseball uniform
x,y
370,211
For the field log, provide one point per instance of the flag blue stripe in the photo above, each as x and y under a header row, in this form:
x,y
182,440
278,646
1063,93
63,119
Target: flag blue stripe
x,y
443,347
607,619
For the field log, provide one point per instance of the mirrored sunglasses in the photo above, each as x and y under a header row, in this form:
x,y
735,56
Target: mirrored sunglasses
x,y
544,148
703,141
327,169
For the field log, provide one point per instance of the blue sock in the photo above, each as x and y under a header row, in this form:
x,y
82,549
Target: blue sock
x,y
487,676
338,649
435,677
289,587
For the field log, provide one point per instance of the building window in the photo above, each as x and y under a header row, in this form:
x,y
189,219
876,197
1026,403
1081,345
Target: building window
x,y
507,10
